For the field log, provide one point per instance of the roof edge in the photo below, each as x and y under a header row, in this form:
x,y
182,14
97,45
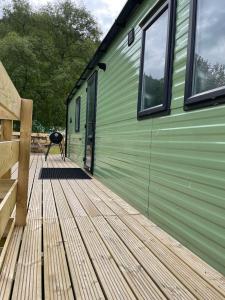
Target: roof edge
x,y
119,23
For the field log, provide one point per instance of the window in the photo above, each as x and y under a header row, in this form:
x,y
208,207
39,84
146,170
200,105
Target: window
x,y
77,115
156,60
205,79
131,36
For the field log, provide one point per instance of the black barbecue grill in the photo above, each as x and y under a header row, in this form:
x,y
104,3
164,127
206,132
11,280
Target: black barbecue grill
x,y
55,138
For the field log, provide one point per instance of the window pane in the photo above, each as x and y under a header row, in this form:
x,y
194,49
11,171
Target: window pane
x,y
209,60
154,63
77,115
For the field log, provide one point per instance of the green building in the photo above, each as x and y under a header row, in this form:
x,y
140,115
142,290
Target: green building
x,y
147,118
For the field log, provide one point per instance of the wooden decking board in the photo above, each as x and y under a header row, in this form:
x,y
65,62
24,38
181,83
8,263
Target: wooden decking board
x,y
117,209
213,277
72,199
56,273
28,274
178,291
166,281
199,287
10,262
96,246
141,284
113,283
95,199
89,207
84,279
9,266
125,205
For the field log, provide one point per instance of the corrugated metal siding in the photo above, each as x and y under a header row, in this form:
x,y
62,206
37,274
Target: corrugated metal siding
x,y
187,180
76,140
171,168
122,142
187,173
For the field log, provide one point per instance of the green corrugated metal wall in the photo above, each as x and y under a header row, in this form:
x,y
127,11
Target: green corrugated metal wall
x,y
76,141
171,168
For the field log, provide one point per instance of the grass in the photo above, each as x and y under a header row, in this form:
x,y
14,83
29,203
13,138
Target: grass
x,y
54,150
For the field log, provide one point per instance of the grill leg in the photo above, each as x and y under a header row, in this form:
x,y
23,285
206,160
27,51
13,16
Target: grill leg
x,y
46,155
61,151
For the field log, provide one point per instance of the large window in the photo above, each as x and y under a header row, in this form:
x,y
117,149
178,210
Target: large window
x,y
205,80
157,50
77,115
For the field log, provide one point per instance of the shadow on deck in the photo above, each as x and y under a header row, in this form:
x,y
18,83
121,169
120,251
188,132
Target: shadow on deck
x,y
83,241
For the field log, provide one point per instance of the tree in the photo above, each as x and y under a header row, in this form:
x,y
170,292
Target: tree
x,y
208,76
45,51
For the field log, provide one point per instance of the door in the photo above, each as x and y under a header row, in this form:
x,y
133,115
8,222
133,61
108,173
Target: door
x,y
90,122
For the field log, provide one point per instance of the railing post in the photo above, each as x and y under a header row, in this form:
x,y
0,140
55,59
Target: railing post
x,y
24,160
6,135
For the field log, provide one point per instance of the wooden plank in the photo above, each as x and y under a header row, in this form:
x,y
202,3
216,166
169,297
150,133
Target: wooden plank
x,y
9,155
56,274
9,265
14,171
6,207
113,282
6,135
72,200
5,185
33,134
200,288
9,98
118,210
24,160
9,269
6,115
11,224
84,279
209,274
95,199
6,130
29,265
165,280
89,207
121,202
140,282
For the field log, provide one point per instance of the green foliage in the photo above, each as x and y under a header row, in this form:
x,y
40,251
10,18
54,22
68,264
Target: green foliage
x,y
154,91
44,53
208,76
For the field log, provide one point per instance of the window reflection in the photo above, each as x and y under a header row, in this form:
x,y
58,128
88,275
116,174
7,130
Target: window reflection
x,y
154,63
209,60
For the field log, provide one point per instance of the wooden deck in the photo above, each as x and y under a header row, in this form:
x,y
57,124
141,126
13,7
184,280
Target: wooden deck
x,y
82,241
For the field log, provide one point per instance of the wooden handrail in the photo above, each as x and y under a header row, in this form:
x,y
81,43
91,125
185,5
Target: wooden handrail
x,y
10,101
13,193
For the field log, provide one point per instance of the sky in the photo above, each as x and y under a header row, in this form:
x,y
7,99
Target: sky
x,y
105,11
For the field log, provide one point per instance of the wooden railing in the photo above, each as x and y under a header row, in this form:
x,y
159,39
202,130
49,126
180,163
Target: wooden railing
x,y
13,193
39,140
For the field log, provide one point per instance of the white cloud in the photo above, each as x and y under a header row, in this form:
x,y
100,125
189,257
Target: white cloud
x,y
105,11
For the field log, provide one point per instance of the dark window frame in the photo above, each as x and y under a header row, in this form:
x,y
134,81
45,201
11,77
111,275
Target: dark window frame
x,y
131,37
96,76
168,71
77,121
207,98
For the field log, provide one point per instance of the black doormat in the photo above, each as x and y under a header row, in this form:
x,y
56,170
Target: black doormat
x,y
63,173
